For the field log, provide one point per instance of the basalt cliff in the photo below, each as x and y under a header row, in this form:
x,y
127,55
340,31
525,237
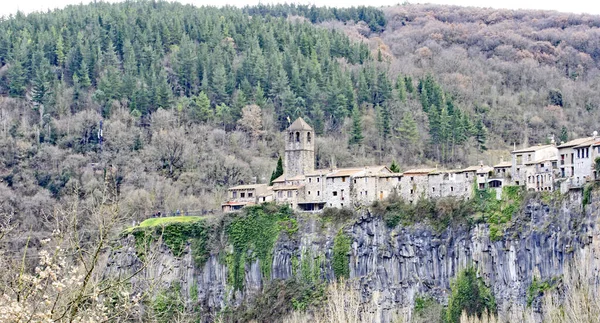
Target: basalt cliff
x,y
392,265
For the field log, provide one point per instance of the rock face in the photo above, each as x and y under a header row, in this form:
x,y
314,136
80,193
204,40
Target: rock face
x,y
395,265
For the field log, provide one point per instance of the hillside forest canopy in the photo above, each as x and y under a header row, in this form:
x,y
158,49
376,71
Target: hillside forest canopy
x,y
190,100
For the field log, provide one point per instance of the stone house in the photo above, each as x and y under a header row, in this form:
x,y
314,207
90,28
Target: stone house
x,y
566,156
244,195
414,184
444,183
528,163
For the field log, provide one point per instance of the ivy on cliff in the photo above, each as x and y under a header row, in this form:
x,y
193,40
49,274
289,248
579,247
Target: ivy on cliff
x,y
176,236
253,236
341,255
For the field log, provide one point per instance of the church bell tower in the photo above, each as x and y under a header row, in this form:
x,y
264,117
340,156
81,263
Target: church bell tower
x,y
299,149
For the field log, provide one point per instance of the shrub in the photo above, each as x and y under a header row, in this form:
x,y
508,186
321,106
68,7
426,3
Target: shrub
x,y
469,294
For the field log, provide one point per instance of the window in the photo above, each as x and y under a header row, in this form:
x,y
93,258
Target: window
x,y
289,194
280,194
451,189
309,180
519,159
297,136
308,137
264,199
318,179
366,179
343,179
242,195
354,181
342,204
250,194
433,189
412,179
411,191
234,194
334,193
308,192
342,191
291,136
366,193
318,193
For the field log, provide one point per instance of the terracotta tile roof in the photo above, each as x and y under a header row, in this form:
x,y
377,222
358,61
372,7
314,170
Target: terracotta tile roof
x,y
279,179
541,161
247,187
359,171
417,171
342,172
299,124
586,143
575,142
287,187
318,172
503,164
532,148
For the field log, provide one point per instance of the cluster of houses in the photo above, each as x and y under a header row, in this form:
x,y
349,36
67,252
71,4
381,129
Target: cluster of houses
x,y
538,168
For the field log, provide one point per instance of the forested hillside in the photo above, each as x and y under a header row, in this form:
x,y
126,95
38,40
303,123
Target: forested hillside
x,y
191,100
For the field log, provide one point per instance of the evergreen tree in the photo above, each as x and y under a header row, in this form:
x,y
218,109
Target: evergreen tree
x,y
356,136
394,167
17,78
564,134
277,172
481,135
218,86
401,88
409,84
41,83
407,131
199,108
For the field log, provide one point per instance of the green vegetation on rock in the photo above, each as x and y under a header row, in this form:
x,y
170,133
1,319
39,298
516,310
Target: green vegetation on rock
x,y
341,255
253,235
175,233
538,288
497,213
470,294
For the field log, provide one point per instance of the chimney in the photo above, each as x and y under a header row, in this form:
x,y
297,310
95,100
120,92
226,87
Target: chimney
x,y
595,134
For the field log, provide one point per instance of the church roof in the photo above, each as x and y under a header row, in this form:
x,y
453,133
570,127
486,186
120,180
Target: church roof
x,y
299,124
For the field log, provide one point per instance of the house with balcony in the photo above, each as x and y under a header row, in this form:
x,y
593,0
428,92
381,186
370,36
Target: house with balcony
x,y
534,167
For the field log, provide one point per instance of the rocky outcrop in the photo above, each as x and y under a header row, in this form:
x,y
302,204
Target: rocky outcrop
x,y
395,265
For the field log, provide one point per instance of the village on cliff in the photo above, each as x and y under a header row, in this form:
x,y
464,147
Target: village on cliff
x,y
569,165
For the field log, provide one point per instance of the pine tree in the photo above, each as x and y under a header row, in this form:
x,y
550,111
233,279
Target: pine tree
x,y
409,84
356,136
199,108
364,93
401,88
218,86
564,134
17,80
318,118
481,135
407,132
41,82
